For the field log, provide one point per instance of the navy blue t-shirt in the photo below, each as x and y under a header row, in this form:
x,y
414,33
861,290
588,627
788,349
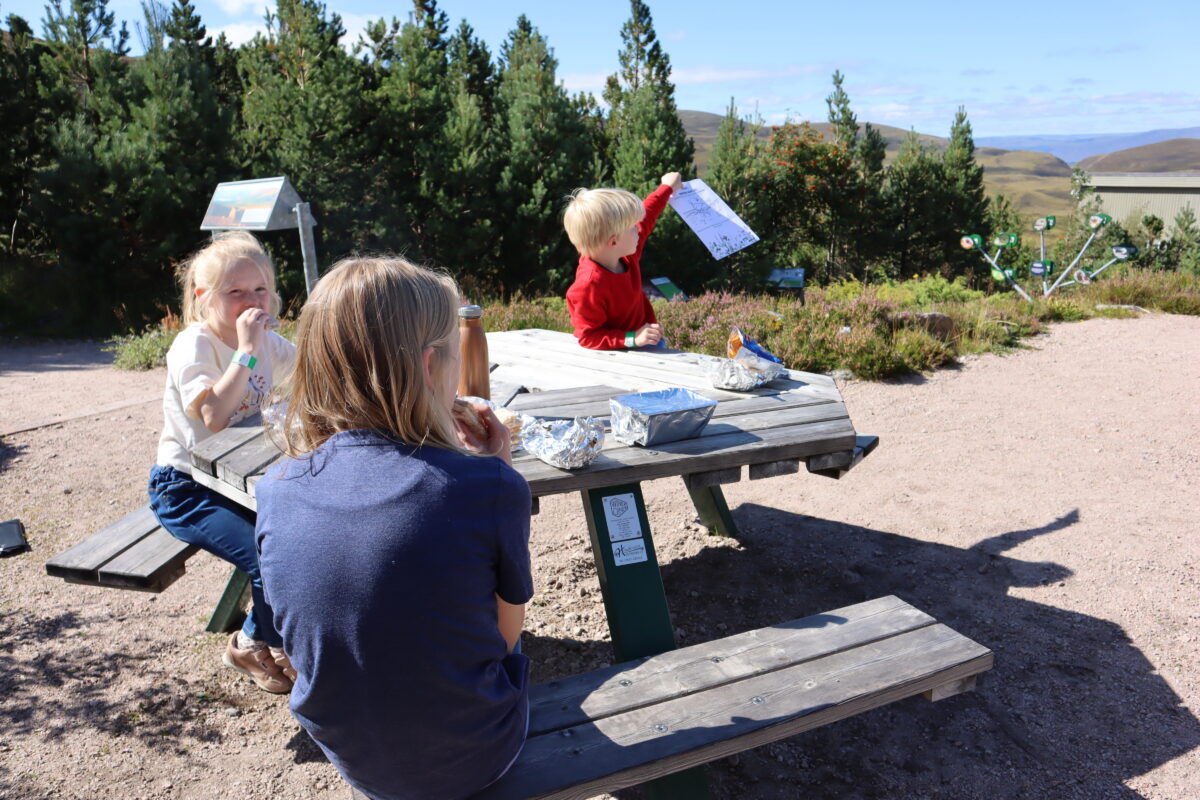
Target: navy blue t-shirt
x,y
382,562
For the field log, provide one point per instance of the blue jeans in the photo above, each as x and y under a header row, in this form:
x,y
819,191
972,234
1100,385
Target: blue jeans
x,y
197,515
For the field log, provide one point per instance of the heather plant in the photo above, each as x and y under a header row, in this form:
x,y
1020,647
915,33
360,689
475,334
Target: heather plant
x,y
522,313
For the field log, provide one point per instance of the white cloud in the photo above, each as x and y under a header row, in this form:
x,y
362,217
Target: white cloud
x,y
238,33
714,74
238,7
882,89
675,36
356,26
585,81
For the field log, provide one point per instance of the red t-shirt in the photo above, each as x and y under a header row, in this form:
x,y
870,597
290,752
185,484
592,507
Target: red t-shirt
x,y
605,305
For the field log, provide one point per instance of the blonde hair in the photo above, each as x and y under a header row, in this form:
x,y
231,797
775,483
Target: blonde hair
x,y
593,216
360,345
209,265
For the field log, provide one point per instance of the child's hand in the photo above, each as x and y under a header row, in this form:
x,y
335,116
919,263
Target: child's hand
x,y
495,439
251,325
650,333
674,180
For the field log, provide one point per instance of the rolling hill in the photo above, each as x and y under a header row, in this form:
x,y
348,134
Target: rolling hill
x,y
1173,155
1074,147
1036,183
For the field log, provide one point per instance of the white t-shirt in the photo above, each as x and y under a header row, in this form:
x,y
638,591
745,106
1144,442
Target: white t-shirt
x,y
196,361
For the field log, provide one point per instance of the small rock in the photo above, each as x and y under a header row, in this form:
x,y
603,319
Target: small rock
x,y
66,491
233,712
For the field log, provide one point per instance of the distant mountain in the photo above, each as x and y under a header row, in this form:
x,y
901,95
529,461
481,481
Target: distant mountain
x,y
1173,155
1075,147
1037,183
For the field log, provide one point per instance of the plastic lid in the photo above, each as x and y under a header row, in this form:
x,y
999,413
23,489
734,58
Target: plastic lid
x,y
470,312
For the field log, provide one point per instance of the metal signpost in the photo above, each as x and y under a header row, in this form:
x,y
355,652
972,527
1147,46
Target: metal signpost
x,y
264,204
1043,268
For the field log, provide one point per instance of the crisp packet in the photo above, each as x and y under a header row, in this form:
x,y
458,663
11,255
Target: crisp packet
x,y
728,373
567,444
748,352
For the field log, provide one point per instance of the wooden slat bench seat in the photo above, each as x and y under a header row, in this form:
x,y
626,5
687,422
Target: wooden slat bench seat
x,y
835,465
132,553
629,723
135,552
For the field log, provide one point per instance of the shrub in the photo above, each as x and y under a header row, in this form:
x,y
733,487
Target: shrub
x,y
143,351
542,312
919,351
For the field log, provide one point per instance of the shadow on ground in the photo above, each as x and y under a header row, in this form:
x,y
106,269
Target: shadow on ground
x,y
164,711
43,356
1071,710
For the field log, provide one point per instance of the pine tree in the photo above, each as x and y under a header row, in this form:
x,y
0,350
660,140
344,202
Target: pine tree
x,y
470,65
647,140
966,209
855,226
914,191
464,221
304,116
76,37
176,146
412,105
647,136
736,173
546,147
80,200
25,123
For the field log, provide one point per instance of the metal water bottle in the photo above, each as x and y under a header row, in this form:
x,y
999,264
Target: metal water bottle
x,y
473,380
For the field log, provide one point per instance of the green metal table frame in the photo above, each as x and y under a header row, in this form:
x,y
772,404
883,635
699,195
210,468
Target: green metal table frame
x,y
634,598
231,608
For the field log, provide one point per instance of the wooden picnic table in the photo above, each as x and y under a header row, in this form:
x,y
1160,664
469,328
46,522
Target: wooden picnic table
x,y
769,430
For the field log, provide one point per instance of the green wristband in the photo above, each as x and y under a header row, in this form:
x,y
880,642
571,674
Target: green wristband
x,y
243,359
630,339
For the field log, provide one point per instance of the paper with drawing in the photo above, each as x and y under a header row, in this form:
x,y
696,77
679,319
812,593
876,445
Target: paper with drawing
x,y
721,230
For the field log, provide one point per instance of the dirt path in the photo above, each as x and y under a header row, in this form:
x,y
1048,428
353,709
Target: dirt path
x,y
1043,503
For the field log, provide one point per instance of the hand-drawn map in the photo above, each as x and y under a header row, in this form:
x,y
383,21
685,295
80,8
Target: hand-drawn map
x,y
721,230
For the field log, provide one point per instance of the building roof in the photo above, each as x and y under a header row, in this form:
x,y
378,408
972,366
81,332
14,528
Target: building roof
x,y
1147,180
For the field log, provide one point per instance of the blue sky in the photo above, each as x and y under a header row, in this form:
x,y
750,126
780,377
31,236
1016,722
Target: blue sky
x,y
1018,67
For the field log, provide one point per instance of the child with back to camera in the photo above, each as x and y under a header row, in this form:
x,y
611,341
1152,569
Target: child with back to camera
x,y
609,228
219,371
395,542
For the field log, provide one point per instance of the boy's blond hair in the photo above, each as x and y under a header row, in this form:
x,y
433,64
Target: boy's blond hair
x,y
593,216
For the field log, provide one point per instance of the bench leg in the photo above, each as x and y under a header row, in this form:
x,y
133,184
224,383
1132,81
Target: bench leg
x,y
230,612
713,510
634,600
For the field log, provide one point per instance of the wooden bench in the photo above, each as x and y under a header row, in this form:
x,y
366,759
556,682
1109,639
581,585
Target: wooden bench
x,y
135,552
835,465
629,723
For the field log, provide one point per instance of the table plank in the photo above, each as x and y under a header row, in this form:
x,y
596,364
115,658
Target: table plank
x,y
580,394
745,423
206,454
556,345
248,458
630,465
561,347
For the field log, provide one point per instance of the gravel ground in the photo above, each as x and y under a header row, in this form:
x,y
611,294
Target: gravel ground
x,y
1042,503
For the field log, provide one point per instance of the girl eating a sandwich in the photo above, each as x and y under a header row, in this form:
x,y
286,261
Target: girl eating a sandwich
x,y
394,542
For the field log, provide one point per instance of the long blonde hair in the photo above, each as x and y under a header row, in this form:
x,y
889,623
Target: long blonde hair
x,y
209,265
360,345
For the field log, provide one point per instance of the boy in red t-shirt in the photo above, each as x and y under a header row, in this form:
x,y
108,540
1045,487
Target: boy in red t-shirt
x,y
609,228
